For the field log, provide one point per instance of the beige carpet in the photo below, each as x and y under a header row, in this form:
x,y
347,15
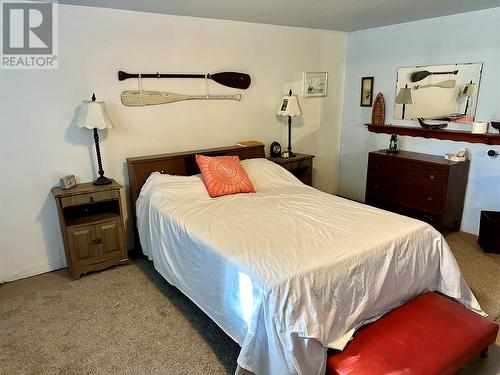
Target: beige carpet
x,y
128,320
480,270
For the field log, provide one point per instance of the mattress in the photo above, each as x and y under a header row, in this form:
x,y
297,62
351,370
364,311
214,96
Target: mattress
x,y
289,271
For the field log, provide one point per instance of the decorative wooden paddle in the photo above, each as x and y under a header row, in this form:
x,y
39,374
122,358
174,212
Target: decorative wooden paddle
x,y
378,110
229,79
449,84
135,98
418,76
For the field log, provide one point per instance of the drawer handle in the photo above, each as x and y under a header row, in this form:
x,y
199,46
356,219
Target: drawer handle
x,y
376,186
91,199
429,198
97,241
431,177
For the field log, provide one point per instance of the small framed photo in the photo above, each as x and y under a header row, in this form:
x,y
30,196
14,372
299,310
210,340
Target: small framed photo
x,y
315,84
284,104
366,91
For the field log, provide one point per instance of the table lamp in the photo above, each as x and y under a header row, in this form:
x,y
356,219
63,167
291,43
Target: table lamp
x,y
289,107
404,98
468,92
92,115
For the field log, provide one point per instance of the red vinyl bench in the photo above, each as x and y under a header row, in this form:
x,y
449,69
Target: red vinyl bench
x,y
429,335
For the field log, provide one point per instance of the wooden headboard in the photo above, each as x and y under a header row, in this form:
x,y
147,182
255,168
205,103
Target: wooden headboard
x,y
179,163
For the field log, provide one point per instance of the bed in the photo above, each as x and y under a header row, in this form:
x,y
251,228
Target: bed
x,y
289,271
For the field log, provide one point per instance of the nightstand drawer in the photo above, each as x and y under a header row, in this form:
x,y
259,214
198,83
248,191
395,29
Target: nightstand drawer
x,y
99,196
298,164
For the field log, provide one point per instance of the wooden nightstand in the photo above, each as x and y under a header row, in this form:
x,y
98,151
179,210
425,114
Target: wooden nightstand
x,y
300,166
91,219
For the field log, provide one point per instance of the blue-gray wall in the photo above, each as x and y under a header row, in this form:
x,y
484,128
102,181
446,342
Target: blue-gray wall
x,y
468,37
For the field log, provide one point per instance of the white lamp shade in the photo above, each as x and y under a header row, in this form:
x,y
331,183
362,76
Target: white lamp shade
x,y
469,90
404,96
289,106
92,114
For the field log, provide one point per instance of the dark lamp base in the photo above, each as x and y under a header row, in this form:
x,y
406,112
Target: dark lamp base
x,y
102,181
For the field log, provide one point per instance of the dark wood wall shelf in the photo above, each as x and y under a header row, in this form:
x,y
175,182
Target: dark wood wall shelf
x,y
448,134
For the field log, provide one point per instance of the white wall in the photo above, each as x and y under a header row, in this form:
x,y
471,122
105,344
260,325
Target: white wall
x,y
468,37
37,145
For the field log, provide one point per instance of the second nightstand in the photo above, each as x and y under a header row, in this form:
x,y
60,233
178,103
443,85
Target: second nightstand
x,y
91,218
300,166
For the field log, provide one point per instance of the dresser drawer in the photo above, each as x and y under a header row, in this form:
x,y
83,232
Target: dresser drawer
x,y
99,196
424,200
425,175
409,195
408,171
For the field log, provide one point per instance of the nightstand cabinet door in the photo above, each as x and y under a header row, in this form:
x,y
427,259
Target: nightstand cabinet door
x,y
81,245
110,239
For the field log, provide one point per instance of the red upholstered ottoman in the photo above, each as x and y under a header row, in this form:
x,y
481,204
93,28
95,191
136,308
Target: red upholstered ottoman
x,y
428,335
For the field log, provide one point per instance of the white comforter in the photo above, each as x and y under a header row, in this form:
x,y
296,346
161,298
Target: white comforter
x,y
289,271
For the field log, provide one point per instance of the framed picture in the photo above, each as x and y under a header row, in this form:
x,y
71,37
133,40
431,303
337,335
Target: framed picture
x,y
315,84
366,91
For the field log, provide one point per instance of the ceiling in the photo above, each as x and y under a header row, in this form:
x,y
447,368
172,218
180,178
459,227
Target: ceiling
x,y
340,15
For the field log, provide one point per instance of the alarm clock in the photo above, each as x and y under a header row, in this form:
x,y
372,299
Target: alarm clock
x,y
275,150
67,182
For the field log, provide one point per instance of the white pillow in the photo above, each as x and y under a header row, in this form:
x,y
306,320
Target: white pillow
x,y
174,187
265,174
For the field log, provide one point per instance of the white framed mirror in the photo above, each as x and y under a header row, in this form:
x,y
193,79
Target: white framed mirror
x,y
438,92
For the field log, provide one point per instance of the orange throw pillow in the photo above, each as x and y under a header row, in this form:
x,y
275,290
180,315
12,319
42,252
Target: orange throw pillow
x,y
224,175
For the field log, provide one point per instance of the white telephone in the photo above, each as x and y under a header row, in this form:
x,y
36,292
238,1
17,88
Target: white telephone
x,y
459,155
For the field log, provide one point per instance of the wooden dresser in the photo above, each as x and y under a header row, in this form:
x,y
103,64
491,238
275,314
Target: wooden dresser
x,y
91,219
426,187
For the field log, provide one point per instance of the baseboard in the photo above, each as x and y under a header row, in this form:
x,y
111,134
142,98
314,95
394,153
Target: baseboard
x,y
44,268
